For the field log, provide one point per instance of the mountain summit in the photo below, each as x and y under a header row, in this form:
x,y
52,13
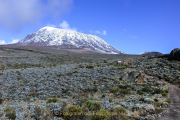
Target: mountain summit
x,y
50,36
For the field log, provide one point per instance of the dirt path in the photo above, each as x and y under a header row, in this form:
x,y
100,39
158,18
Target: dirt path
x,y
173,111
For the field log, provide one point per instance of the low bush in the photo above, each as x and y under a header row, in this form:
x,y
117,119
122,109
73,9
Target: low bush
x,y
110,64
146,89
75,72
115,91
125,91
89,66
10,113
50,100
123,86
157,104
168,100
93,105
54,100
120,110
103,95
105,61
140,92
157,91
101,115
141,99
164,94
1,100
166,91
71,111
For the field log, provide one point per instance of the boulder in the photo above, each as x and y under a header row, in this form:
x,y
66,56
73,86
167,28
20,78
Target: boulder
x,y
149,107
175,54
149,100
134,75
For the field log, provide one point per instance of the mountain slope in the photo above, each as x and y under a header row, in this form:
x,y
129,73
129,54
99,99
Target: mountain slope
x,y
150,53
49,36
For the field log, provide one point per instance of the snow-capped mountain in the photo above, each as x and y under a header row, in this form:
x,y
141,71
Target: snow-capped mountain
x,y
50,36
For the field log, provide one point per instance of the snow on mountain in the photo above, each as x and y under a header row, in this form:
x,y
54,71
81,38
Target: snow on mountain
x,y
50,36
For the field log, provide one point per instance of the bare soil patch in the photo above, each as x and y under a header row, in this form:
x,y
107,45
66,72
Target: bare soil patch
x,y
173,111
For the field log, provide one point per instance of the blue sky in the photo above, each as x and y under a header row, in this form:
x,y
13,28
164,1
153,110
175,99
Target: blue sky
x,y
132,26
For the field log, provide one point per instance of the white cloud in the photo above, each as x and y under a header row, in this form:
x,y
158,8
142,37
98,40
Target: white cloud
x,y
2,42
91,31
98,32
134,37
14,41
65,25
17,13
104,32
51,25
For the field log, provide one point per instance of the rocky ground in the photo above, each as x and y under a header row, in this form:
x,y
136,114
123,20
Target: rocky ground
x,y
38,85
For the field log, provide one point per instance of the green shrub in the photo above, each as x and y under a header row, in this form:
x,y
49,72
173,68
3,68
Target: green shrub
x,y
49,100
54,100
103,95
140,92
164,94
111,109
168,100
83,100
71,111
156,84
125,91
1,100
120,110
75,72
145,89
93,105
81,66
110,63
157,91
157,104
115,91
141,99
166,91
105,61
123,86
1,73
89,66
74,108
100,115
10,113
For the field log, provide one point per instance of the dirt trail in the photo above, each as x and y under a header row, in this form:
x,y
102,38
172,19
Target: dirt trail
x,y
173,111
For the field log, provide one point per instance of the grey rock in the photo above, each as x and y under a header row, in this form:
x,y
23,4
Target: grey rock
x,y
175,54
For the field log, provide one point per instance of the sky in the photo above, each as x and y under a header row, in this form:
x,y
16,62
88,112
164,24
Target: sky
x,y
132,26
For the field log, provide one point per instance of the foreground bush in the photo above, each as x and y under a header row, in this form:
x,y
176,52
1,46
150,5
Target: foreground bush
x,y
10,113
73,111
93,105
52,100
100,115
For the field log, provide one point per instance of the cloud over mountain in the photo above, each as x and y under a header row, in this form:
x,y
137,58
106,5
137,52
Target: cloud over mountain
x,y
17,13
